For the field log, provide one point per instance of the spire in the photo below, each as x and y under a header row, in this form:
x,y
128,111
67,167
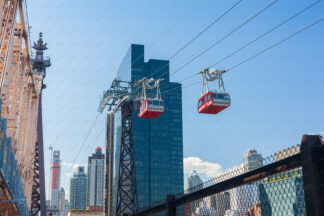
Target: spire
x,y
40,63
40,46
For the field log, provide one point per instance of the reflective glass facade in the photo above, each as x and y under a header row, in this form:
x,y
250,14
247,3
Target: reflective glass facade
x,y
78,188
158,143
283,195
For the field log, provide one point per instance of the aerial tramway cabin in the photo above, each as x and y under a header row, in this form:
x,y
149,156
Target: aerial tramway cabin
x,y
214,102
151,108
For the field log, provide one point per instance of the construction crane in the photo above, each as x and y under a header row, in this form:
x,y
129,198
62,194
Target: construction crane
x,y
123,96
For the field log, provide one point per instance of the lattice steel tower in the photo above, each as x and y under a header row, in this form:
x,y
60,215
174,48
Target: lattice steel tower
x,y
120,96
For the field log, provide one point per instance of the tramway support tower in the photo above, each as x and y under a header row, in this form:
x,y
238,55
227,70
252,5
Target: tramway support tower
x,y
213,101
39,65
122,96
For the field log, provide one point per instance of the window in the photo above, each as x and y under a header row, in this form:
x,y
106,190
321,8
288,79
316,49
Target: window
x,y
209,97
199,103
206,99
155,103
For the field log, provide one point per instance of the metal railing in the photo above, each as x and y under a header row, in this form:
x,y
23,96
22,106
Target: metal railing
x,y
289,182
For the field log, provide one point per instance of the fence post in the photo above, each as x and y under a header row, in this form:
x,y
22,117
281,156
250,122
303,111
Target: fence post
x,y
312,160
171,209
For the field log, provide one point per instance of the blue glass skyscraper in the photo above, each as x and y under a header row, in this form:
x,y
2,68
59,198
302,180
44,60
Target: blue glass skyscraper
x,y
78,189
283,195
158,143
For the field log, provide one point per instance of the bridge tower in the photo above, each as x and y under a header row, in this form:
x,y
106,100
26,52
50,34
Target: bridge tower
x,y
39,65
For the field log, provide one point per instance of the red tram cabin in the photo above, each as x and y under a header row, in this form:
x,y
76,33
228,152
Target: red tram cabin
x,y
214,102
151,108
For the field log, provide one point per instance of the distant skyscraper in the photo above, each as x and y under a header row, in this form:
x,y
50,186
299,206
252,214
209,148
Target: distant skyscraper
x,y
194,183
220,202
252,160
55,196
62,202
243,198
158,143
78,188
96,179
204,210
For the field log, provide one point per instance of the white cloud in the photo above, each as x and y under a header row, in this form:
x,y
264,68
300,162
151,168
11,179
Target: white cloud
x,y
317,133
68,164
202,167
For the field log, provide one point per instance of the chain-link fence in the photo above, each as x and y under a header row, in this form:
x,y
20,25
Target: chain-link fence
x,y
280,194
274,185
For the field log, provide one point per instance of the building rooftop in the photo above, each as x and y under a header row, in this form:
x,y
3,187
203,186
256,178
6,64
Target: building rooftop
x,y
193,173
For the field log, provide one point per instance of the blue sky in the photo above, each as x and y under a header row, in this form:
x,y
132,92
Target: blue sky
x,y
276,97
